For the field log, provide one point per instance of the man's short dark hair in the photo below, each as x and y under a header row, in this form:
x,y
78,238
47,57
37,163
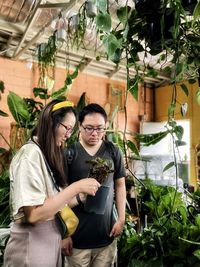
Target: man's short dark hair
x,y
91,108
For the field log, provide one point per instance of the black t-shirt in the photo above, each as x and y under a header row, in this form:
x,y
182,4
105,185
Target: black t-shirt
x,y
94,229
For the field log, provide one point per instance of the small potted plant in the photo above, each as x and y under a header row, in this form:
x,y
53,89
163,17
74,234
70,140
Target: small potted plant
x,y
99,169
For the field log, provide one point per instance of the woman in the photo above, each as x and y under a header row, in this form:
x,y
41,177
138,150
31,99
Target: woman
x,y
35,239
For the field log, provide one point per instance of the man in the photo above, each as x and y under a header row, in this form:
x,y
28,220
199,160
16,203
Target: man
x,y
94,243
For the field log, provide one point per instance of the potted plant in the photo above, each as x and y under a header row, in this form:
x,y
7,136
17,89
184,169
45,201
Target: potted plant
x,y
171,234
100,169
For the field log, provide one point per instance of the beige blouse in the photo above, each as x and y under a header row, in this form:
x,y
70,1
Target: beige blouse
x,y
30,182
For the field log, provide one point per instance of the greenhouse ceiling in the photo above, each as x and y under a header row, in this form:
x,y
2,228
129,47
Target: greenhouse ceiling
x,y
24,24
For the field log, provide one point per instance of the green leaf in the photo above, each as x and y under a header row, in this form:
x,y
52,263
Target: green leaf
x,y
103,22
178,130
2,87
179,68
18,108
152,73
59,93
171,110
192,81
42,93
196,253
133,147
75,73
102,5
168,166
151,139
3,114
185,89
122,14
116,56
2,150
133,87
196,12
198,96
81,103
111,43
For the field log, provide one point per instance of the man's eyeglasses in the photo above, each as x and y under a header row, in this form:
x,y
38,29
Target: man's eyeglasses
x,y
90,129
68,129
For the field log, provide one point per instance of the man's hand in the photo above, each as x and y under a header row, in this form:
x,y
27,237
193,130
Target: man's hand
x,y
117,228
66,246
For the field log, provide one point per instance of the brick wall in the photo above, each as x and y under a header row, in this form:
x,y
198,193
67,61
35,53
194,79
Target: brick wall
x,y
20,78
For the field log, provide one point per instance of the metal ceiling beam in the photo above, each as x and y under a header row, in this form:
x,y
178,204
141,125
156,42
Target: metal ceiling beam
x,y
30,23
14,28
17,53
54,5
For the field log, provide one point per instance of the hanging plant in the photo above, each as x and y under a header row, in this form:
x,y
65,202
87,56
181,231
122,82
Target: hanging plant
x,y
46,53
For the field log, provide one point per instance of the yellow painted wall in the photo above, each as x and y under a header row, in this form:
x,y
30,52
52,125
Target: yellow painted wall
x,y
163,99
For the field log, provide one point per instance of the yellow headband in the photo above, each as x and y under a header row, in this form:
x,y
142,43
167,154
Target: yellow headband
x,y
63,104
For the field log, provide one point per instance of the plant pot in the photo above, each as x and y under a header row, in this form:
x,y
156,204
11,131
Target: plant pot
x,y
74,22
61,35
91,9
97,203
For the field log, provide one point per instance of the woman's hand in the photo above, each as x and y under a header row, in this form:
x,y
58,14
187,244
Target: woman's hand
x,y
88,186
67,246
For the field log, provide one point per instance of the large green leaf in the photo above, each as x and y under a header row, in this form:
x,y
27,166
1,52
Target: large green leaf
x,y
3,114
111,43
103,22
133,87
185,89
178,130
168,166
171,109
18,109
81,103
196,11
122,14
59,92
151,139
133,147
42,93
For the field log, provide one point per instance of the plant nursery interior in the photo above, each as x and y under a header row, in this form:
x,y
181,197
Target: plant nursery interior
x,y
139,60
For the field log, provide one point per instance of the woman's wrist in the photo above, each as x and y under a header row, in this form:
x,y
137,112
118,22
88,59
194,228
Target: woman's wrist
x,y
81,198
78,199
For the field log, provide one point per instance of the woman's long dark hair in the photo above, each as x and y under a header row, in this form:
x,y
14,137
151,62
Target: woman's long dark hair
x,y
46,138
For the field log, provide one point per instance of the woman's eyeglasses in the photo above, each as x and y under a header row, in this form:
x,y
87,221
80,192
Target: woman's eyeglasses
x,y
68,129
90,129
